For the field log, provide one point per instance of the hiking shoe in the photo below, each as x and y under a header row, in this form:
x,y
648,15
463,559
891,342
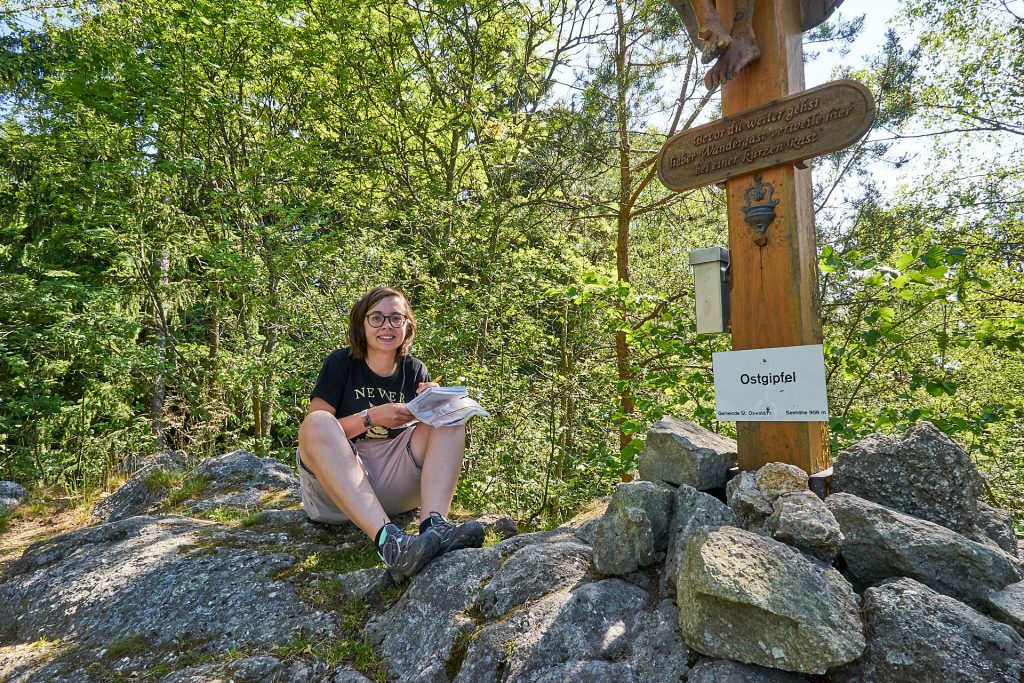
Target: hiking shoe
x,y
404,555
467,535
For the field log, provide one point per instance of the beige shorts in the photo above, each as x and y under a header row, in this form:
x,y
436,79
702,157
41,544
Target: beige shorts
x,y
390,468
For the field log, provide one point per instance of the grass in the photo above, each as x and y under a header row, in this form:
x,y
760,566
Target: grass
x,y
492,538
230,515
126,647
352,649
191,487
341,561
161,480
5,520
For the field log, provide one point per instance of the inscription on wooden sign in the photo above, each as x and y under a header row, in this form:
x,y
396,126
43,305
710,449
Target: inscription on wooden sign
x,y
813,122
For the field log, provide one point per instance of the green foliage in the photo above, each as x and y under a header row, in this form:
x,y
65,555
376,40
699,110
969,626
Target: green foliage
x,y
191,487
192,196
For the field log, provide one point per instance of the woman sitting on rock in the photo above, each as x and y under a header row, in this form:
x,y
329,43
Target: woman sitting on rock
x,y
360,459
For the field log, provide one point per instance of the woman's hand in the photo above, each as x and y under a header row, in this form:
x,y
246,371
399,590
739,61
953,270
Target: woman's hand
x,y
390,415
424,386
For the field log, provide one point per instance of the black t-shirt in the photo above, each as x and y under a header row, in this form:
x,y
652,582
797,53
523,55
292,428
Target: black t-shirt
x,y
350,386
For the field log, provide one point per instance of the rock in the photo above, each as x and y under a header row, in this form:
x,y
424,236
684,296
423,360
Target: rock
x,y
750,505
728,671
996,525
257,670
12,495
1007,605
634,528
242,480
802,520
156,579
694,510
143,491
504,527
881,543
679,452
532,572
924,474
417,636
365,583
602,631
920,635
775,478
745,597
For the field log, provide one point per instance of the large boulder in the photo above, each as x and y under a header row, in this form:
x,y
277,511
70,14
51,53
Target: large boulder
x,y
604,631
995,525
746,597
694,510
634,529
154,582
801,519
924,474
532,572
728,671
417,636
1007,605
920,635
881,543
678,452
243,480
12,495
144,490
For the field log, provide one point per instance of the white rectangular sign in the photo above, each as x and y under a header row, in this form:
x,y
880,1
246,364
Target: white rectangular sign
x,y
784,384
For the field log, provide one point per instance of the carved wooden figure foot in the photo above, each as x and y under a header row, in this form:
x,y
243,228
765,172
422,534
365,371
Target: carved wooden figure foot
x,y
742,50
714,40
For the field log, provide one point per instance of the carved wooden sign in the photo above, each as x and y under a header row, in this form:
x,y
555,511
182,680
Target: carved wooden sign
x,y
813,122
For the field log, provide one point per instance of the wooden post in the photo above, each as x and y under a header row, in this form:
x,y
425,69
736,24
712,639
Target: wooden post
x,y
775,298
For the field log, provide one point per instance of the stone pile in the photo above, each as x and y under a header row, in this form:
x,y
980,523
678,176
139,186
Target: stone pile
x,y
774,577
684,577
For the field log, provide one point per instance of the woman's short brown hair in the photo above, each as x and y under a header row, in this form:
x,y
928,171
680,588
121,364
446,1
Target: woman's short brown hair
x,y
356,331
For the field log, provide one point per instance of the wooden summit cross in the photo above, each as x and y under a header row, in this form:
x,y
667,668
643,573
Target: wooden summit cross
x,y
770,125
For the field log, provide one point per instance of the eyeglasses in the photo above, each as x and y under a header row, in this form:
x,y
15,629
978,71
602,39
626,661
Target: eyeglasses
x,y
395,319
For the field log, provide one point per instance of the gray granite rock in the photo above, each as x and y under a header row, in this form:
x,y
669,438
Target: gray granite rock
x,y
680,452
775,478
12,495
749,598
139,495
533,572
918,635
364,584
728,671
155,578
257,670
924,474
881,543
604,629
1007,605
430,617
996,525
694,510
242,480
634,529
750,505
504,527
802,520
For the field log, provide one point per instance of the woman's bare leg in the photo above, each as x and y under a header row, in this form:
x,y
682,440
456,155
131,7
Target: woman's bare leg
x,y
325,450
440,450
